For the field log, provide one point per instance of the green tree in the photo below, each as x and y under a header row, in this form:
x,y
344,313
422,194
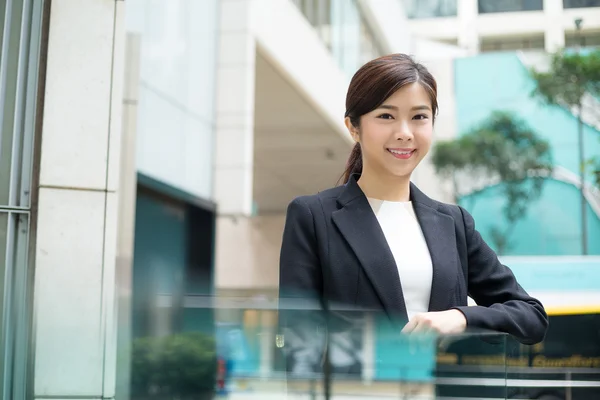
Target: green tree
x,y
596,169
572,81
181,366
502,150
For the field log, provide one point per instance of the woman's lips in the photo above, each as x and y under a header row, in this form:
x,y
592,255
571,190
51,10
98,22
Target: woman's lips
x,y
402,154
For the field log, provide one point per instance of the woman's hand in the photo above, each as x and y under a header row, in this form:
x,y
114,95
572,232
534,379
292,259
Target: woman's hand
x,y
440,322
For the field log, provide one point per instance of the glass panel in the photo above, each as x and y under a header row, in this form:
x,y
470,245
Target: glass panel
x,y
4,279
14,306
430,8
580,3
343,29
349,24
18,80
566,365
9,64
22,306
244,350
495,6
176,90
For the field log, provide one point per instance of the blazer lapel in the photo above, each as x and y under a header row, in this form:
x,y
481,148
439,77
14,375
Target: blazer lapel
x,y
438,229
359,226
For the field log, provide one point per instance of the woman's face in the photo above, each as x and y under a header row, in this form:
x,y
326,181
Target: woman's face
x,y
395,137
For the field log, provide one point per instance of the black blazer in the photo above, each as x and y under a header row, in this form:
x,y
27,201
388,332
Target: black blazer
x,y
334,249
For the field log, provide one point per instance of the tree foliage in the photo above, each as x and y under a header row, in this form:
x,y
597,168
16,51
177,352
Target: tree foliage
x,y
181,366
502,150
594,164
569,79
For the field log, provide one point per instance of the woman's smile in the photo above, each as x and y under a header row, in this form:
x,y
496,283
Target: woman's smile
x,y
402,154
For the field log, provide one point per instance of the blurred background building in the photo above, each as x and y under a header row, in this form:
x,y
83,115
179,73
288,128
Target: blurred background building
x,y
506,39
499,25
149,150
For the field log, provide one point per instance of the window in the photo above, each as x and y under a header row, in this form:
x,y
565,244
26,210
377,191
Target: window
x,y
585,39
580,3
498,6
416,9
343,29
512,43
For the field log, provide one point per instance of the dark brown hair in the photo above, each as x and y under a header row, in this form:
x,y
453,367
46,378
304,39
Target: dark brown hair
x,y
372,84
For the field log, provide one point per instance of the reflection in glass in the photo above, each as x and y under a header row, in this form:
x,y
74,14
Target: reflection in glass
x,y
580,3
430,8
496,6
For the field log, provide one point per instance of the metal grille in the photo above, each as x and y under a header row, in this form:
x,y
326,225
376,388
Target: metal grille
x,y
20,34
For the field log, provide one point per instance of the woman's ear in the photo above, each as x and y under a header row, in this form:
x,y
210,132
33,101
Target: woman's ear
x,y
352,129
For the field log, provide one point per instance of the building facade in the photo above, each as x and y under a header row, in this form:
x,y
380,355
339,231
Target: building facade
x,y
497,25
151,150
502,41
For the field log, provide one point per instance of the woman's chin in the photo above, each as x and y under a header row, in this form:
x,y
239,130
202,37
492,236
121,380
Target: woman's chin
x,y
404,174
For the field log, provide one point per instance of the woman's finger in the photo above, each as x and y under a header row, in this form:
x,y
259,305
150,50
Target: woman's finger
x,y
422,328
408,328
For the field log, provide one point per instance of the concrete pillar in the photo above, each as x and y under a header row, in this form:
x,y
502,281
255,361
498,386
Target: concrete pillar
x,y
468,37
554,32
74,289
126,215
235,110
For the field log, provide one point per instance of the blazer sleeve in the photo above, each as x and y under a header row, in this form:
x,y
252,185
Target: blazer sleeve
x,y
502,304
301,322
300,274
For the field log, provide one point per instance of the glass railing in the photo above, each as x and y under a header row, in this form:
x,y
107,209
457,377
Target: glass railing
x,y
342,28
215,347
240,348
199,347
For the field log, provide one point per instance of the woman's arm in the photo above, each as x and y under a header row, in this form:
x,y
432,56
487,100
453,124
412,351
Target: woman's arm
x,y
299,266
503,305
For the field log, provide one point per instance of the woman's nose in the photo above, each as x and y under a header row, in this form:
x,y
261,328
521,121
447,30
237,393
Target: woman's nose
x,y
403,133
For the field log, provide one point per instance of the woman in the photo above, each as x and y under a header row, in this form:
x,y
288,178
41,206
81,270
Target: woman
x,y
379,243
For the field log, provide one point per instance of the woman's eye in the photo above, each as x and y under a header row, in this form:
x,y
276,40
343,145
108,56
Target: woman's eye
x,y
420,116
386,116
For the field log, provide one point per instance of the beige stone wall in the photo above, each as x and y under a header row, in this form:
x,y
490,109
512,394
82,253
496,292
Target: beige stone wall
x,y
75,248
247,252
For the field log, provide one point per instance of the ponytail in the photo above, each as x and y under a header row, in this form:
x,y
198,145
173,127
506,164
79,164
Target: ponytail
x,y
354,163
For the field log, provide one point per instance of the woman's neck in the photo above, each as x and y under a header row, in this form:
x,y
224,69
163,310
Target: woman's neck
x,y
385,187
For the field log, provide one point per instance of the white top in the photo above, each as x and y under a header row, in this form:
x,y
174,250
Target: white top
x,y
407,243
